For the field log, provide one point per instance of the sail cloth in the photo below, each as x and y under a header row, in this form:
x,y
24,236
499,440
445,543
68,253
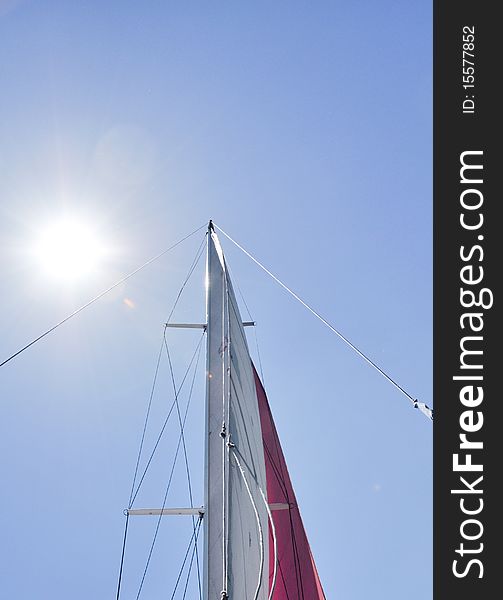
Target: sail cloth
x,y
247,483
236,517
297,577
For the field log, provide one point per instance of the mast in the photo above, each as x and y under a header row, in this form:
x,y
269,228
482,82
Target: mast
x,y
216,456
245,474
236,541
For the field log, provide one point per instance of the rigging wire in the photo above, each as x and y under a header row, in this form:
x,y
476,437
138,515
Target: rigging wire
x,y
197,353
123,552
184,447
254,328
142,441
167,489
132,494
191,270
420,405
259,356
188,276
100,295
194,553
193,538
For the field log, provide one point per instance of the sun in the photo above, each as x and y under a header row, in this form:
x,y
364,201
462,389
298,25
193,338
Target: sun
x,y
69,249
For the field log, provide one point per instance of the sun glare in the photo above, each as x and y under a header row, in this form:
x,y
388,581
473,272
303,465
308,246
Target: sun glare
x,y
69,249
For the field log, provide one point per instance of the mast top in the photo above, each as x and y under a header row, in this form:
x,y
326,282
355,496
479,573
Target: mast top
x,y
211,227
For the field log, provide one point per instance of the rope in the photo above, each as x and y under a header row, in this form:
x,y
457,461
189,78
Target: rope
x,y
259,524
275,544
226,399
420,405
273,529
225,355
100,295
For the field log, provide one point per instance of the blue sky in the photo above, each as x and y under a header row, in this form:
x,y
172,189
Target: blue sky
x,y
304,131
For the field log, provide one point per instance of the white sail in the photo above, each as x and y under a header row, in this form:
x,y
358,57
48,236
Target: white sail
x,y
236,545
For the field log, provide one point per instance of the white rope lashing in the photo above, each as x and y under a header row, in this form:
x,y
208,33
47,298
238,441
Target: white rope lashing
x,y
259,524
275,544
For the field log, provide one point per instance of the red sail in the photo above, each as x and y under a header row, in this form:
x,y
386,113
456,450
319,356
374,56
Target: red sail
x,y
296,574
